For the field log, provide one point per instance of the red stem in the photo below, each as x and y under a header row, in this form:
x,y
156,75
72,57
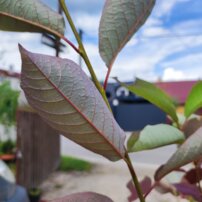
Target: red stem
x,y
152,187
107,77
71,44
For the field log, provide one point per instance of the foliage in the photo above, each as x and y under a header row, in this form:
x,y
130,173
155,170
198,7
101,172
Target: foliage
x,y
34,192
70,117
8,104
69,101
185,154
7,147
68,163
154,136
154,95
194,100
31,15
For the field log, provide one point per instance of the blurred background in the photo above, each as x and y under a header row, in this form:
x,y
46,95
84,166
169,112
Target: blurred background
x,y
167,51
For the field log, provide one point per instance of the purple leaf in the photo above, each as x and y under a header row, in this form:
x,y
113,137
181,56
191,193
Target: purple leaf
x,y
119,21
145,184
30,16
189,151
183,189
194,175
186,189
191,126
67,100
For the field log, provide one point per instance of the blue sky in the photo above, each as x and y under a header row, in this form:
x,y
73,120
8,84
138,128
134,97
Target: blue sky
x,y
168,46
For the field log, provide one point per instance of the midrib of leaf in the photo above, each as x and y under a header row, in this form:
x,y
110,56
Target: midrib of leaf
x,y
124,41
78,110
32,23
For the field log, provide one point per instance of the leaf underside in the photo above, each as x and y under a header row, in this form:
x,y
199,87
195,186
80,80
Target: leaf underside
x,y
119,21
189,151
191,126
29,16
67,99
146,185
194,100
154,136
154,95
84,197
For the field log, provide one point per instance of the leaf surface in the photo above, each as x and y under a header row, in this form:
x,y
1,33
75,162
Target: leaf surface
x,y
29,16
183,189
119,21
154,136
194,100
154,95
192,125
193,176
145,184
189,151
67,99
84,197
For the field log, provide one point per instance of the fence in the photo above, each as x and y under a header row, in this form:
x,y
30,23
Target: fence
x,y
38,149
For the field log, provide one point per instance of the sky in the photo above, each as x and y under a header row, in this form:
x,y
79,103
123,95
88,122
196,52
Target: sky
x,y
167,47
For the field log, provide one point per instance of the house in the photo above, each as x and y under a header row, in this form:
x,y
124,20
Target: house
x,y
179,91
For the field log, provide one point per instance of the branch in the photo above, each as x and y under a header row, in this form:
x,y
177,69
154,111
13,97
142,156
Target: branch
x,y
83,53
71,44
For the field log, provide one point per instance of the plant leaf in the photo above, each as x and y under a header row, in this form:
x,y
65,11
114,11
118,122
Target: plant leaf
x,y
193,176
189,151
191,126
119,21
146,185
153,94
29,16
184,189
188,190
67,99
194,100
84,197
154,136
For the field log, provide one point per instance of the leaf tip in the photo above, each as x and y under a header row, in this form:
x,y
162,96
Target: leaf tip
x,y
115,78
158,175
21,49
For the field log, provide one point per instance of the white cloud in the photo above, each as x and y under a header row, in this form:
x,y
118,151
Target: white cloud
x,y
189,65
164,7
170,74
154,31
143,54
88,23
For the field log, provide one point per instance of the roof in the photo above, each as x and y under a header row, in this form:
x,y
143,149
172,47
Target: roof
x,y
5,73
178,90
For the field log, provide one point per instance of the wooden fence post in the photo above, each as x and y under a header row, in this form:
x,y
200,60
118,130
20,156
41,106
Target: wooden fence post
x,y
38,149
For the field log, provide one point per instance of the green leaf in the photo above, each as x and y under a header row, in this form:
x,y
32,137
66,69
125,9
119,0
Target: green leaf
x,y
8,104
29,16
189,151
119,21
67,99
154,95
194,100
154,136
83,196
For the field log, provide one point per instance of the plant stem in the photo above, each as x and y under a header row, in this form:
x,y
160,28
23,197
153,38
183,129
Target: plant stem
x,y
197,166
134,177
107,77
71,44
83,53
